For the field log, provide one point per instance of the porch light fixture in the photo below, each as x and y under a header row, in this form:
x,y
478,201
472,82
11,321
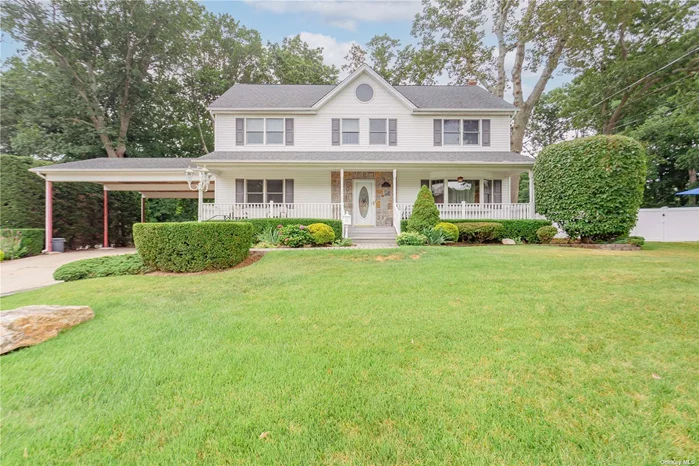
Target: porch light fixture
x,y
204,179
386,184
460,179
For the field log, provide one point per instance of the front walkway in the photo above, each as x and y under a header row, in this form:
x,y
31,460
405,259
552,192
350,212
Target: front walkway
x,y
37,271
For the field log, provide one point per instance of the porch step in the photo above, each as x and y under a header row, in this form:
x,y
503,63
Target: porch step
x,y
372,235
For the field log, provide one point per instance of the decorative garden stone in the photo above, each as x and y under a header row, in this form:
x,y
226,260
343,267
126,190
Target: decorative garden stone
x,y
508,241
31,325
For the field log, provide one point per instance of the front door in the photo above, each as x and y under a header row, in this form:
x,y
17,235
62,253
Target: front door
x,y
364,205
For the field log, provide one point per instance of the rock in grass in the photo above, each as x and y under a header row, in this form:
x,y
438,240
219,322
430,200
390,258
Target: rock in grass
x,y
31,325
508,241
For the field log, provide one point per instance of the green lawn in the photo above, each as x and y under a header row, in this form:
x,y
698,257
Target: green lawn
x,y
502,355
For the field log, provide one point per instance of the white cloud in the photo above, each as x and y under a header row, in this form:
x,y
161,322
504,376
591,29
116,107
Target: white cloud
x,y
346,13
334,52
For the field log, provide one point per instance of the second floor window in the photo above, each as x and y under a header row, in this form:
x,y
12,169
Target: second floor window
x,y
350,131
275,130
451,132
377,131
255,130
471,132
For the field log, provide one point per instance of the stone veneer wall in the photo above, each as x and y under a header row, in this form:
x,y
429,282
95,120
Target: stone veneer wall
x,y
384,196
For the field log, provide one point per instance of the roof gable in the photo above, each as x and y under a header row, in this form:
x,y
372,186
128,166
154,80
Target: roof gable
x,y
364,69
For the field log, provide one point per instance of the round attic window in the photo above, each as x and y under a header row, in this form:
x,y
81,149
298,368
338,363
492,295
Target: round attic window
x,y
364,93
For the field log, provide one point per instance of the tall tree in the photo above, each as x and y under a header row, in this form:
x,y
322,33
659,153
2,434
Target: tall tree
x,y
541,35
643,49
109,49
294,62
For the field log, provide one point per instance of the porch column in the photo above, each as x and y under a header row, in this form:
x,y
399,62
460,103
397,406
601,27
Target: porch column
x,y
105,225
395,189
49,215
143,208
532,204
200,202
342,192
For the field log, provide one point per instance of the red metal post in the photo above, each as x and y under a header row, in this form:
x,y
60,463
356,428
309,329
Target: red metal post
x,y
49,215
106,221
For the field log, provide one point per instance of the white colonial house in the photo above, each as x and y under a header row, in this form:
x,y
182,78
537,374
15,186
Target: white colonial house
x,y
357,151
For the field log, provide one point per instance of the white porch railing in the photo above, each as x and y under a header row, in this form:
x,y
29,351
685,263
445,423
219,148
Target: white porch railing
x,y
396,218
474,211
211,211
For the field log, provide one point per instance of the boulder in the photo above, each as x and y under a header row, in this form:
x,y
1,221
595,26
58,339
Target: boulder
x,y
31,325
509,241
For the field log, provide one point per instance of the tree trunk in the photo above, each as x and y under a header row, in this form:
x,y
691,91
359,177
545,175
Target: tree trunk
x,y
692,182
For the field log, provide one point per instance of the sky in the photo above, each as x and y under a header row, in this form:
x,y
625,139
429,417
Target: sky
x,y
331,24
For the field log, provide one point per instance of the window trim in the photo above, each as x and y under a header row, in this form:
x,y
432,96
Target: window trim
x,y
461,132
265,190
359,132
247,142
385,132
282,132
478,133
444,141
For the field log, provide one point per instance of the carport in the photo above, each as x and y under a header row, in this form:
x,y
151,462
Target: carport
x,y
152,177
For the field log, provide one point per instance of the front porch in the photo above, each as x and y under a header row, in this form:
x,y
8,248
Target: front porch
x,y
365,197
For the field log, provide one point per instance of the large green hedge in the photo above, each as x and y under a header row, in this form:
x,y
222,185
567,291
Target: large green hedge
x,y
261,224
591,187
108,266
77,207
32,239
192,246
522,229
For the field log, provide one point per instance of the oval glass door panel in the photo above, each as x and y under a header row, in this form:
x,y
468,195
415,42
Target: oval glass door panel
x,y
363,202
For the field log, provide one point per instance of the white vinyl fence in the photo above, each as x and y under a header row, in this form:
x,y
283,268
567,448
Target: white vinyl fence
x,y
668,224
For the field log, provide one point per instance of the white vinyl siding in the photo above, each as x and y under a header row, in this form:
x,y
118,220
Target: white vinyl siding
x,y
310,186
312,132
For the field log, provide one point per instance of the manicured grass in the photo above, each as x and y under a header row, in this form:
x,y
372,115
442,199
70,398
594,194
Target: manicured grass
x,y
482,355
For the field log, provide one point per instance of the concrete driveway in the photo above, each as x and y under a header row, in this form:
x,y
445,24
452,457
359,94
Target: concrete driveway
x,y
37,271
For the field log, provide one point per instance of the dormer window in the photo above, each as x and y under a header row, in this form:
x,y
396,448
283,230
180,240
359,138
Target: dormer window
x,y
364,93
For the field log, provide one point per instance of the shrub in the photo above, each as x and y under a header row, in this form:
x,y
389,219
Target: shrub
x,y
260,224
480,232
411,238
522,229
591,187
192,246
30,241
321,233
2,256
269,236
434,237
636,240
109,266
546,234
450,231
295,236
425,214
343,242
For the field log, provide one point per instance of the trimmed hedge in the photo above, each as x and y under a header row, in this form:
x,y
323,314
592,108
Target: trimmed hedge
x,y
450,230
591,187
32,239
260,224
192,246
109,266
480,232
546,234
514,229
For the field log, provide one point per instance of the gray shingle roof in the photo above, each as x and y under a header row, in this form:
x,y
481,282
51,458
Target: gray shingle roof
x,y
452,97
304,96
358,157
104,163
271,96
